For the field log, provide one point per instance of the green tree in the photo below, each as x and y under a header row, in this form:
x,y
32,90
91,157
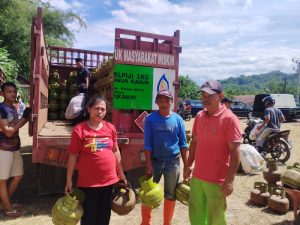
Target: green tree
x,y
188,88
55,25
8,66
272,82
15,28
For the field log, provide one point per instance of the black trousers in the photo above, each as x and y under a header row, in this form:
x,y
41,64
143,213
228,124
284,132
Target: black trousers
x,y
97,205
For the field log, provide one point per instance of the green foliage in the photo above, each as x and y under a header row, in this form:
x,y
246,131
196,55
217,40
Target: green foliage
x,y
8,66
55,21
15,28
188,88
272,82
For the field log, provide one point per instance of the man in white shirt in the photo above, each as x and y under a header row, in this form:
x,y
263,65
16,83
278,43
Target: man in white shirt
x,y
75,109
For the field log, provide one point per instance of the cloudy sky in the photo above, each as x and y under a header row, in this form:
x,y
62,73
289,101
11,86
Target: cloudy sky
x,y
219,38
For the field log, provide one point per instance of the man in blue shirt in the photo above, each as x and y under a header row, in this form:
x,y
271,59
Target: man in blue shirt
x,y
83,75
165,141
273,118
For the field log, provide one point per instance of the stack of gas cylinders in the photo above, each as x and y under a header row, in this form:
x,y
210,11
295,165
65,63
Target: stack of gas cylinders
x,y
269,193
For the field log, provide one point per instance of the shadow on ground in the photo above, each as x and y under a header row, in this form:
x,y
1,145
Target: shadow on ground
x,y
36,200
27,193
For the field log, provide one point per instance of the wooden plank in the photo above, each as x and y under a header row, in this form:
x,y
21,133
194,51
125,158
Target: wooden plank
x,y
57,129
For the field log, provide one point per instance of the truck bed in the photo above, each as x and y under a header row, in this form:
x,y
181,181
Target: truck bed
x,y
57,129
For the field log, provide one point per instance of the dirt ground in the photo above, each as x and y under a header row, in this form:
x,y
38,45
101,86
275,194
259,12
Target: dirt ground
x,y
36,210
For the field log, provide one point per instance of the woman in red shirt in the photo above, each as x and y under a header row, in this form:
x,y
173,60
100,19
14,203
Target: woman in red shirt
x,y
95,150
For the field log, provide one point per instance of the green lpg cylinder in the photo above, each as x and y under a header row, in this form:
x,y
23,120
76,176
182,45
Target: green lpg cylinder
x,y
182,192
67,211
291,178
151,194
146,183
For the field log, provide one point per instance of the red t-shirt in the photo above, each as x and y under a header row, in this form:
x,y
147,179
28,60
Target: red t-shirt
x,y
212,151
96,160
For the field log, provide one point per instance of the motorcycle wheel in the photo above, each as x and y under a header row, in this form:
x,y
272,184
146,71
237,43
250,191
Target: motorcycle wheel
x,y
281,151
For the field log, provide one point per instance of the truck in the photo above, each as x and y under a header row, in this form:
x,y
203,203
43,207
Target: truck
x,y
285,102
142,64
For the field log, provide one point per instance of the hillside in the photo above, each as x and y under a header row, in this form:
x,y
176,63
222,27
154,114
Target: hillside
x,y
273,82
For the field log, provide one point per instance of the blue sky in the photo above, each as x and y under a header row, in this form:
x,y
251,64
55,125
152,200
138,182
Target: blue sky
x,y
219,38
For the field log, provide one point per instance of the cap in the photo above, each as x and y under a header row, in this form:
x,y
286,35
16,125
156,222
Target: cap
x,y
78,59
226,100
211,87
166,93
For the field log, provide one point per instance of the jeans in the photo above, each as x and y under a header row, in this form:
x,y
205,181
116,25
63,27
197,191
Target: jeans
x,y
170,169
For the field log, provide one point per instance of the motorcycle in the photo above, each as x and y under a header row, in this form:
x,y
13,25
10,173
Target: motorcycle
x,y
277,143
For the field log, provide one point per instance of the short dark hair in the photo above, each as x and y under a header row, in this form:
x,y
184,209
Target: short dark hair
x,y
93,100
8,84
78,60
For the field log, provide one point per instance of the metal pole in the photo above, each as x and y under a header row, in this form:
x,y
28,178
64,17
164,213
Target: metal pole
x,y
298,80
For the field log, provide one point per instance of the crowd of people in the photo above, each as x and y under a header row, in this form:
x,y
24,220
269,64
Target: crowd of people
x,y
210,161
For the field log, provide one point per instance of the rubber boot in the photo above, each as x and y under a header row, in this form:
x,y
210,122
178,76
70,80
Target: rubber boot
x,y
169,206
146,215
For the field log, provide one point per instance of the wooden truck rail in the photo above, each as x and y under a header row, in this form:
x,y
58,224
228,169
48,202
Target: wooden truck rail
x,y
61,56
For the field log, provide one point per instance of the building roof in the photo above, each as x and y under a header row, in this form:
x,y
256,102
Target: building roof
x,y
23,81
248,99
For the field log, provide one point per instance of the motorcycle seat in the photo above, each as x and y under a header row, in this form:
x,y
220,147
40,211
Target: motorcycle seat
x,y
279,133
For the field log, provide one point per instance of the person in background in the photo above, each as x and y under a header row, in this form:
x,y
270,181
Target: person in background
x,y
11,162
227,102
94,149
164,142
273,117
21,107
215,144
188,109
83,75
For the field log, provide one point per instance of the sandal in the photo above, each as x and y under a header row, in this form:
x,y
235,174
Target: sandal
x,y
12,213
15,205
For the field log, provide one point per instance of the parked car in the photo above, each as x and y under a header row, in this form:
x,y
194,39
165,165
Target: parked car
x,y
297,108
196,106
241,109
285,102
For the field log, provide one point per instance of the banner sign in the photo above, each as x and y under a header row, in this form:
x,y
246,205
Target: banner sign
x,y
135,87
138,57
